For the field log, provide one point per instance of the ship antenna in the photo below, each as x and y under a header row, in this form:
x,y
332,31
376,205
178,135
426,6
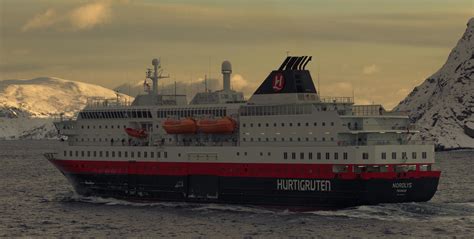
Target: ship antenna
x,y
205,83
319,85
353,94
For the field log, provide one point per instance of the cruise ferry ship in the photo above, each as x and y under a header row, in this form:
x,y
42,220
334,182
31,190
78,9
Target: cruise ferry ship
x,y
284,146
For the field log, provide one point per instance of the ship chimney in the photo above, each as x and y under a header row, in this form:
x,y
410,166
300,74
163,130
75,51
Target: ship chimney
x,y
226,71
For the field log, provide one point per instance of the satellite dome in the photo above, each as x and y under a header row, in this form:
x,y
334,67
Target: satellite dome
x,y
155,62
226,67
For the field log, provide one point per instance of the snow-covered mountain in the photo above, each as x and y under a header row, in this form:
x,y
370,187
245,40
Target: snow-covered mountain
x,y
47,96
27,107
443,105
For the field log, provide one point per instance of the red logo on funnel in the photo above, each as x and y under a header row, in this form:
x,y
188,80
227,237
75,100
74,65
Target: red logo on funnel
x,y
278,82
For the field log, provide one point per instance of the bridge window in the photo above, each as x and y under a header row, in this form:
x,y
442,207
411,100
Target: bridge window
x,y
301,155
165,154
394,155
327,155
423,155
145,154
344,155
384,155
336,156
293,155
285,155
318,156
413,155
310,155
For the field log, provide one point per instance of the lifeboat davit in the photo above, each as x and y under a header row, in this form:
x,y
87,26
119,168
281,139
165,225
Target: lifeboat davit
x,y
225,125
136,133
184,126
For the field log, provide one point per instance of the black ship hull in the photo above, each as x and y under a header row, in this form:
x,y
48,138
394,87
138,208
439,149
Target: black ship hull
x,y
311,193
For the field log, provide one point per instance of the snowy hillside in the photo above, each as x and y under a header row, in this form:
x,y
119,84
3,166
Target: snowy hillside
x,y
442,106
46,96
27,107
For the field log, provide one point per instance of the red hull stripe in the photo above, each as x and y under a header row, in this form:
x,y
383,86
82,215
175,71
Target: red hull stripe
x,y
319,171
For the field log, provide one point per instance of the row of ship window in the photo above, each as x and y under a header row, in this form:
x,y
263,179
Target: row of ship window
x,y
119,154
327,155
183,113
290,139
404,155
286,155
106,126
294,109
115,114
283,124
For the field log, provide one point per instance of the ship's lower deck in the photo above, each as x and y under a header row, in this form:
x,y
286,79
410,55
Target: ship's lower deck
x,y
322,189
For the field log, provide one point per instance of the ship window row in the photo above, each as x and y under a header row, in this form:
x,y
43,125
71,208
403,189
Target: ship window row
x,y
105,126
182,113
404,155
289,139
297,109
119,154
115,114
317,155
251,125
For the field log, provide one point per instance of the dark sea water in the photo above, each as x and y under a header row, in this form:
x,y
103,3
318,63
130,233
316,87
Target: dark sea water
x,y
37,201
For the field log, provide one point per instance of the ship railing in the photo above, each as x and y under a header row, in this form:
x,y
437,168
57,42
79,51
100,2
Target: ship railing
x,y
407,128
374,110
99,102
385,142
336,100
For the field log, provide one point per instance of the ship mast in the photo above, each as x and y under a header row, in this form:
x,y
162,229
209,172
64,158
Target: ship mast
x,y
155,75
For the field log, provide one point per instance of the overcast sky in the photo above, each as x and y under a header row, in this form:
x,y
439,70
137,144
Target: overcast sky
x,y
381,49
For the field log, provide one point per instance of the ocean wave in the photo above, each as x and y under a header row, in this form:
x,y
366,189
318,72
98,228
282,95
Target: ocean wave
x,y
406,211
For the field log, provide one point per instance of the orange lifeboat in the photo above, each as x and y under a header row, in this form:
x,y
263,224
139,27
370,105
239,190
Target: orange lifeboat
x,y
224,125
185,126
136,133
